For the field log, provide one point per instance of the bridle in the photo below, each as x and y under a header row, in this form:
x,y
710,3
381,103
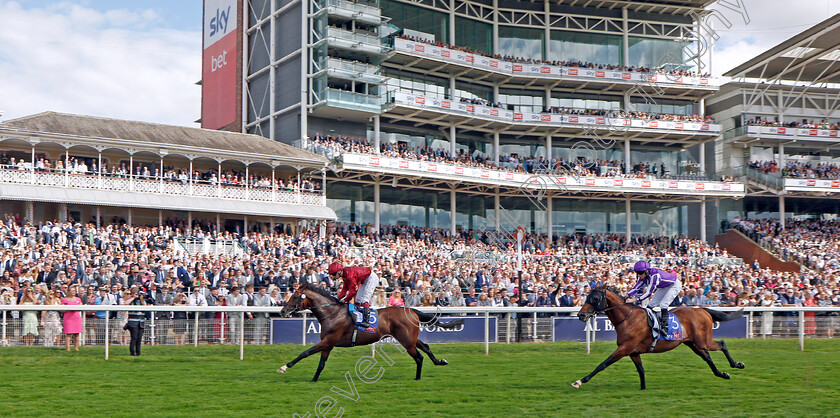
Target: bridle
x,y
297,308
604,309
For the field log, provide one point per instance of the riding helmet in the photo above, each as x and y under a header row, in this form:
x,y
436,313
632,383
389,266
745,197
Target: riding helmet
x,y
641,265
335,268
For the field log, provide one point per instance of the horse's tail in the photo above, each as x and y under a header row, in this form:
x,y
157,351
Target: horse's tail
x,y
724,316
430,319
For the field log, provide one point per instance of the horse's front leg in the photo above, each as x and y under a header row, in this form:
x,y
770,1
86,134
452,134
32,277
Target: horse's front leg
x,y
306,353
614,357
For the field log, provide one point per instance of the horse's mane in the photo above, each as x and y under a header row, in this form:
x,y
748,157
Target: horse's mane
x,y
616,292
323,292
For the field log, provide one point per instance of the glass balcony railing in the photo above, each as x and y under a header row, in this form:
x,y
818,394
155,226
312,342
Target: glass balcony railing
x,y
732,133
354,37
352,66
356,7
357,101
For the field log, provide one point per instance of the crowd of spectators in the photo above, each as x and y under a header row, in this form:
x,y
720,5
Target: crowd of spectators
x,y
417,267
629,115
508,162
814,243
809,124
79,166
798,169
559,63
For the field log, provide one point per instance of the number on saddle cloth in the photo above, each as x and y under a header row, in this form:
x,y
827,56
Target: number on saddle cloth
x,y
356,313
674,326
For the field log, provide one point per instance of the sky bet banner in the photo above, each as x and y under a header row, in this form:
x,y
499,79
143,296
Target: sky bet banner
x,y
569,328
218,72
288,331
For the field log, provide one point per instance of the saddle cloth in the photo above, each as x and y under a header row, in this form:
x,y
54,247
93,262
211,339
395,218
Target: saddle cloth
x,y
356,313
675,331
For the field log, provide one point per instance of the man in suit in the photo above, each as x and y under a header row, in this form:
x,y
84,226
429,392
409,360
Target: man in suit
x,y
261,318
182,274
568,299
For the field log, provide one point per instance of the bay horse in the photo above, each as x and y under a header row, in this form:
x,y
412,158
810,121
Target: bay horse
x,y
634,336
337,327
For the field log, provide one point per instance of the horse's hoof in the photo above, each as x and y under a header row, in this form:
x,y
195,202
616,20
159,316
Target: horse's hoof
x,y
282,370
739,365
443,362
577,384
725,376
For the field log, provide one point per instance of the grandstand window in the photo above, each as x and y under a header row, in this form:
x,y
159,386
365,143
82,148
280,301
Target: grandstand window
x,y
586,47
406,16
658,53
474,34
521,42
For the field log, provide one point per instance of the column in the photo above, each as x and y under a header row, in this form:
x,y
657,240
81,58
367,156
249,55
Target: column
x,y
98,216
496,152
62,212
218,222
548,218
189,219
781,155
547,41
376,139
99,171
497,208
376,206
548,147
547,98
245,224
452,88
272,225
130,216
160,218
782,211
495,26
130,172
30,212
702,110
452,40
625,38
496,93
452,140
452,213
703,219
703,158
627,155
628,231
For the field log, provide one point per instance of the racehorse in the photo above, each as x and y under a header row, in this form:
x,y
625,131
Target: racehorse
x,y
338,327
635,336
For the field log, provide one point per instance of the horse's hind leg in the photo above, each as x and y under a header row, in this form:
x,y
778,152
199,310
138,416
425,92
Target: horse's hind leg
x,y
704,354
637,360
324,356
425,348
418,358
732,363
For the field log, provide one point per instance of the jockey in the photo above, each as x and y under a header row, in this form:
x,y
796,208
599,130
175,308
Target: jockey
x,y
359,282
663,286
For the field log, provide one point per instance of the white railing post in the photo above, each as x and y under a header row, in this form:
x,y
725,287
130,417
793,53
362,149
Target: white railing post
x,y
222,330
107,333
586,328
749,324
195,331
84,329
801,330
242,335
535,326
4,327
303,337
152,330
487,332
507,333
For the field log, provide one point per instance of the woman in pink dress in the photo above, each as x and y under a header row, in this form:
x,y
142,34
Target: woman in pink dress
x,y
72,319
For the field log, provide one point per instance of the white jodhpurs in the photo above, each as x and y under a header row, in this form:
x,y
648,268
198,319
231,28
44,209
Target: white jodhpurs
x,y
663,297
365,291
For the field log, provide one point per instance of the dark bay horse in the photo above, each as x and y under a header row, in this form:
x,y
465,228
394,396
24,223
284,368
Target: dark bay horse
x,y
337,327
635,337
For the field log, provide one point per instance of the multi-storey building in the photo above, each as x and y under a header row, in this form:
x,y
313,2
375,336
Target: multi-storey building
x,y
781,121
584,92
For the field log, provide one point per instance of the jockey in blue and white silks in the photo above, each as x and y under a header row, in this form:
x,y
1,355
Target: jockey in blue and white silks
x,y
663,286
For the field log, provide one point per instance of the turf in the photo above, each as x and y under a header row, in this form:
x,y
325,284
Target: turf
x,y
516,379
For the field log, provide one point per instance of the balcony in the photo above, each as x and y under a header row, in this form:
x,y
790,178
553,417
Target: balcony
x,y
129,190
545,75
355,41
509,120
558,183
811,134
353,70
353,11
350,100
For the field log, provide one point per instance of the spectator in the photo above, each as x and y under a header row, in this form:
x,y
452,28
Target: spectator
x,y
51,320
30,318
72,325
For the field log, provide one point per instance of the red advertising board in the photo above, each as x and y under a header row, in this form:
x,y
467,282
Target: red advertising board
x,y
219,64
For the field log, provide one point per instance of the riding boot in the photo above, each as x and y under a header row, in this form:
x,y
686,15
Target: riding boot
x,y
365,314
663,322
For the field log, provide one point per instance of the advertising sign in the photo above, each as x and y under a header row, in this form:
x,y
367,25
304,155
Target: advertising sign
x,y
290,331
569,328
218,71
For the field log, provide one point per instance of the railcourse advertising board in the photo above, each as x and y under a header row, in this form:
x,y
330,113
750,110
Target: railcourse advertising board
x,y
290,331
569,328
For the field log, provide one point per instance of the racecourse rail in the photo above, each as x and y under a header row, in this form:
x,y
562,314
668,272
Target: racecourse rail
x,y
480,311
